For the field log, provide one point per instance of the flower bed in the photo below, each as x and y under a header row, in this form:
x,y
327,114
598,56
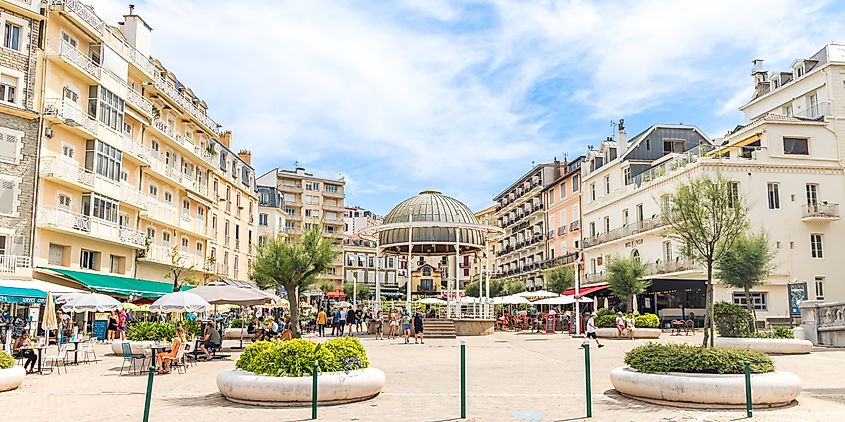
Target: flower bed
x,y
733,322
278,373
694,376
11,375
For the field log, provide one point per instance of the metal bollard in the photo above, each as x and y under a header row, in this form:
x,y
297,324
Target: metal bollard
x,y
586,346
463,380
314,370
149,392
748,388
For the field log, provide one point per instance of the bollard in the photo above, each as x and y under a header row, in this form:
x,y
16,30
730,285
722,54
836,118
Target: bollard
x,y
586,346
149,392
748,388
463,380
314,370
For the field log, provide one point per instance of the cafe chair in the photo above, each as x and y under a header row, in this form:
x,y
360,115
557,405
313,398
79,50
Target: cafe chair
x,y
58,360
88,351
128,356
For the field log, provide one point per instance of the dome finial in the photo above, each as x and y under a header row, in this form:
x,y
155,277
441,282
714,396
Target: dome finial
x,y
431,192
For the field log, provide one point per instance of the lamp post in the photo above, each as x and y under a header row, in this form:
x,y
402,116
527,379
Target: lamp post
x,y
410,249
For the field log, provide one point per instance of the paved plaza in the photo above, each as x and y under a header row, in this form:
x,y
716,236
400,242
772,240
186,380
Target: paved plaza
x,y
511,377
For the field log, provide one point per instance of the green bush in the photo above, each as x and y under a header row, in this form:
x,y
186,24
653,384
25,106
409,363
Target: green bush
x,y
732,320
150,331
604,311
238,323
606,321
6,361
647,321
777,332
194,329
295,358
656,358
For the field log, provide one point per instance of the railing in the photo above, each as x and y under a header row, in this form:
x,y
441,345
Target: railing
x,y
289,188
162,212
133,196
814,112
673,266
142,62
171,91
596,277
129,145
205,154
335,194
226,240
73,55
102,229
84,12
164,254
69,171
138,100
669,166
575,225
71,114
822,211
628,230
192,224
561,230
12,263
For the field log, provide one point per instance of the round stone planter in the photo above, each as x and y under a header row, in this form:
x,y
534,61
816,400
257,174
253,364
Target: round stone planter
x,y
11,378
780,346
706,390
638,333
137,346
235,333
332,387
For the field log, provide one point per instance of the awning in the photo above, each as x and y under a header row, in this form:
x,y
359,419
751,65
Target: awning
x,y
117,285
20,295
586,290
336,293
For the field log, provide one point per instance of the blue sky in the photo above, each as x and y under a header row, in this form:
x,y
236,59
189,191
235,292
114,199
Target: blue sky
x,y
463,97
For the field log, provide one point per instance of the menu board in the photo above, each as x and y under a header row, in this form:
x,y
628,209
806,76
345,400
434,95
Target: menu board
x,y
100,327
550,323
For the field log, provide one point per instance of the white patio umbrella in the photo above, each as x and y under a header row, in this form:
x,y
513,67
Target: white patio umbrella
x,y
470,299
432,301
180,302
67,297
510,300
343,304
538,294
220,294
92,302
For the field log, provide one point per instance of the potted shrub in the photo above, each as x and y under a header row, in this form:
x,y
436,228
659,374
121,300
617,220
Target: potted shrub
x,y
646,325
11,374
733,323
695,375
279,373
142,334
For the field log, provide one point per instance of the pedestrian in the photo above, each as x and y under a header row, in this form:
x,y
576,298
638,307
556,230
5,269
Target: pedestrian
x,y
630,322
335,320
591,328
112,326
359,319
321,323
620,323
406,326
350,320
378,321
341,322
418,328
121,324
392,324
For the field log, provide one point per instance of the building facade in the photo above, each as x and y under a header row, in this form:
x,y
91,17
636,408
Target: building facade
x,y
20,124
479,264
359,266
271,214
563,216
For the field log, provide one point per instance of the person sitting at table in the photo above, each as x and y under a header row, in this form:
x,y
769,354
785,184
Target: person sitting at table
x,y
23,348
165,358
211,339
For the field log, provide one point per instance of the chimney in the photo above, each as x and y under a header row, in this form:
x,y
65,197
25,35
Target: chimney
x,y
556,169
226,139
761,78
621,139
246,156
136,31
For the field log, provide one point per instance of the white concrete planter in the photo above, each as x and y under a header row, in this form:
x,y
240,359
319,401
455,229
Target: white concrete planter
x,y
11,378
235,333
332,387
693,390
782,346
638,333
137,346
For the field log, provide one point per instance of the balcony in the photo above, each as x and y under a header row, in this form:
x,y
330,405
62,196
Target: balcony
x,y
141,62
77,59
821,212
629,230
814,112
335,208
81,13
168,89
674,266
161,212
331,194
15,265
163,254
70,114
76,223
66,172
222,269
138,101
575,225
291,189
561,230
132,196
596,277
193,225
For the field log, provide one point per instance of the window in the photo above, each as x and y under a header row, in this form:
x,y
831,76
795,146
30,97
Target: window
x,y
237,231
151,233
607,184
153,190
625,217
214,221
676,146
8,88
12,36
563,220
63,201
10,144
816,245
648,144
786,110
626,174
103,159
733,192
796,146
116,264
758,299
67,151
168,198
592,191
290,211
8,197
89,259
165,239
667,251
100,207
154,145
106,106
774,196
813,106
262,219
186,207
606,224
551,197
70,40
57,255
576,183
199,249
331,188
426,271
592,229
819,285
812,190
185,244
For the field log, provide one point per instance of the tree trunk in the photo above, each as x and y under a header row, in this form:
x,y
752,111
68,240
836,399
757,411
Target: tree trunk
x,y
708,301
293,299
751,308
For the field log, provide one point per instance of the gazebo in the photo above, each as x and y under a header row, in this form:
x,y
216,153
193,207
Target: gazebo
x,y
433,224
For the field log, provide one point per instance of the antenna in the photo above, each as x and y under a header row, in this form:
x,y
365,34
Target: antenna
x,y
612,129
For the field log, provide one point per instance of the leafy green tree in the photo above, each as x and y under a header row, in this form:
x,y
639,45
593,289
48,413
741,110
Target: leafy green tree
x,y
560,278
706,215
511,287
498,287
293,263
746,264
326,286
363,291
625,276
178,272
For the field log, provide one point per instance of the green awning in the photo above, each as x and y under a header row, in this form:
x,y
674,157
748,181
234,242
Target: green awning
x,y
118,285
21,295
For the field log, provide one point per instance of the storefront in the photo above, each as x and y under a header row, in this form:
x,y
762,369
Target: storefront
x,y
20,309
673,299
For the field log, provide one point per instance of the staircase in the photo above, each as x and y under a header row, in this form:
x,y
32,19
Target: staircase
x,y
439,328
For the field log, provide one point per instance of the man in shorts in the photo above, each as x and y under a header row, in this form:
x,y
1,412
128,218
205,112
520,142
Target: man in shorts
x,y
591,328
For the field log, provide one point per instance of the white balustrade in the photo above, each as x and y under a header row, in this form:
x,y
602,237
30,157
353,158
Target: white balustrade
x,y
66,170
171,91
83,12
70,113
12,263
73,55
92,226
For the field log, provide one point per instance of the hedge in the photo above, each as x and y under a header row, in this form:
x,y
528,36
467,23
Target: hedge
x,y
294,358
6,361
160,331
647,321
732,320
777,332
657,358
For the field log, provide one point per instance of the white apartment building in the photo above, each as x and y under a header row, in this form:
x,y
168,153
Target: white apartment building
x,y
271,213
359,266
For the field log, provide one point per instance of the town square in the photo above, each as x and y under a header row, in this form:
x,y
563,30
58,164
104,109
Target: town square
x,y
425,210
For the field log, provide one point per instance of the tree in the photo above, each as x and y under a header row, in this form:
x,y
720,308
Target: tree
x,y
560,278
511,287
293,263
326,286
363,290
746,264
706,216
178,272
498,287
625,276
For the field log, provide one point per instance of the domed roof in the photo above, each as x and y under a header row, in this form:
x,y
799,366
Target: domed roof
x,y
431,206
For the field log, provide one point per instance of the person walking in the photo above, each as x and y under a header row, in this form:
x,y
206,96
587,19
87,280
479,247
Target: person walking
x,y
341,322
378,321
418,328
121,324
591,328
335,320
359,319
321,323
392,325
406,326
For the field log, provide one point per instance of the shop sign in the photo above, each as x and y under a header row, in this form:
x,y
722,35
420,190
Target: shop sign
x,y
797,293
26,300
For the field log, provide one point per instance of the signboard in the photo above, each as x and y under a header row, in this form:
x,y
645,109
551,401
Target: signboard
x,y
100,327
550,323
797,293
23,299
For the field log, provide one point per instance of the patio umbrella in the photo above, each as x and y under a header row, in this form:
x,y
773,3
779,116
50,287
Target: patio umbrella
x,y
67,297
510,300
48,321
538,294
432,301
180,302
560,300
343,304
220,294
92,302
